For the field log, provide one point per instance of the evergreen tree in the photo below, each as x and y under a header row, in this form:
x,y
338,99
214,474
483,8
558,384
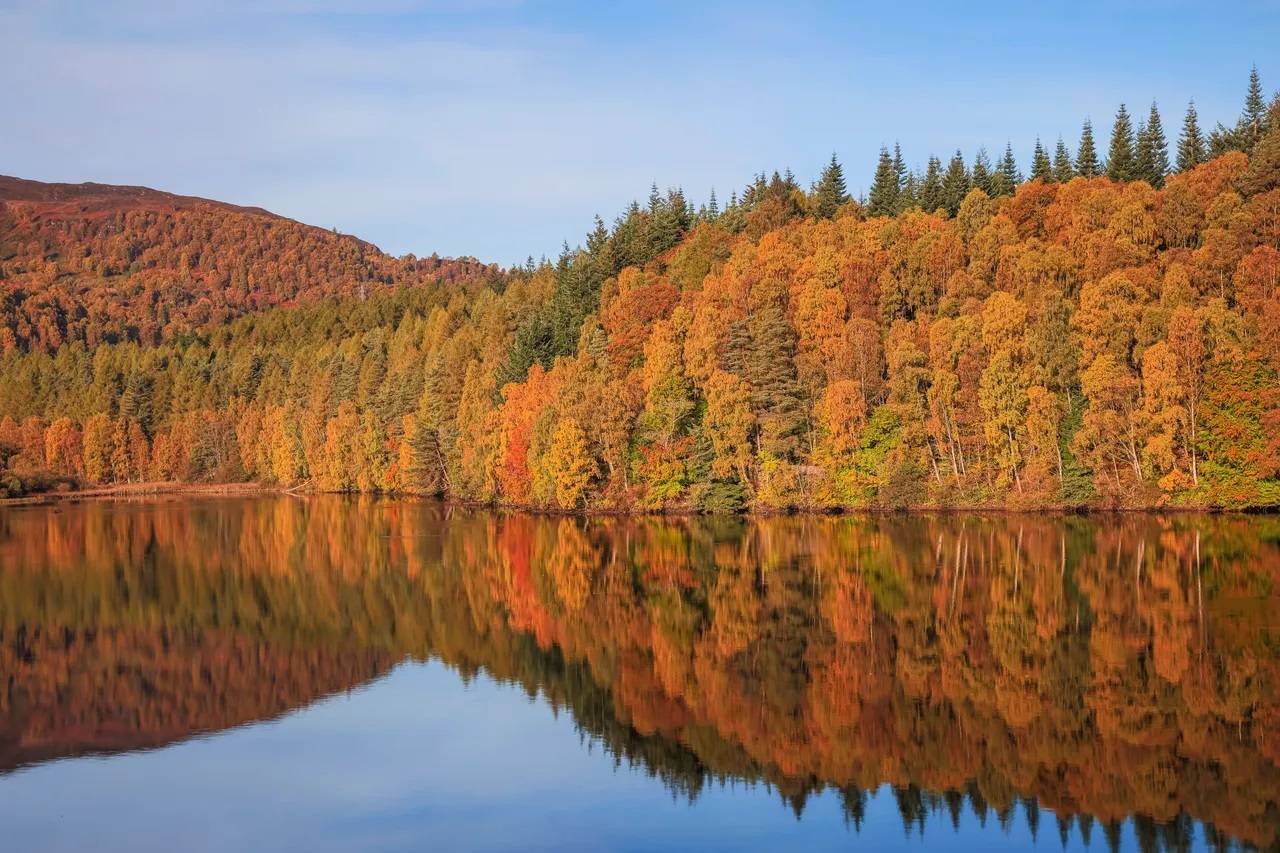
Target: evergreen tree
x,y
1249,127
982,173
1191,149
1086,154
955,184
1007,177
899,167
931,193
713,207
1063,171
830,192
1041,168
1152,160
1121,158
883,200
909,197
1254,118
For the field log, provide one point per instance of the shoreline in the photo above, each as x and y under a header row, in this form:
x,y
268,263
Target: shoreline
x,y
138,491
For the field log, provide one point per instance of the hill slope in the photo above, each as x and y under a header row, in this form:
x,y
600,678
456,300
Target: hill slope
x,y
99,264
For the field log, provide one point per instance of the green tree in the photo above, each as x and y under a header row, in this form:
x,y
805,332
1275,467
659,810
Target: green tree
x,y
1191,146
883,199
1121,157
1063,171
932,196
1087,154
955,184
1041,167
983,176
830,192
1152,156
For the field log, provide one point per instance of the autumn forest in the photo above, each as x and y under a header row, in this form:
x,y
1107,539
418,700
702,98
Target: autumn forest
x,y
1101,331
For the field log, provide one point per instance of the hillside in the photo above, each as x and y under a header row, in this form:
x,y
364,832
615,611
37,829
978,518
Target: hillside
x,y
1104,336
101,264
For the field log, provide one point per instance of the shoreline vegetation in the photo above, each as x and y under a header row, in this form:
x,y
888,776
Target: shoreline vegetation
x,y
176,489
1102,333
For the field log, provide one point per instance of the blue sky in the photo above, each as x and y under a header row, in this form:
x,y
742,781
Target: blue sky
x,y
498,128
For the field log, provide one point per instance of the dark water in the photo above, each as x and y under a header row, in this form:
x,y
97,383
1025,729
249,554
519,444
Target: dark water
x,y
280,674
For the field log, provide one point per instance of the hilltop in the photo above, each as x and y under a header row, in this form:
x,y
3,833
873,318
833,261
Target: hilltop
x,y
96,263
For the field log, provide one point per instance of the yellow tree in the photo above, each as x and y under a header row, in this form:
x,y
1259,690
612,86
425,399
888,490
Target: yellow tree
x,y
569,463
729,424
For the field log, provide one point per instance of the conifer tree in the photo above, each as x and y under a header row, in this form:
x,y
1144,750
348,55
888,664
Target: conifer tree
x,y
1191,148
1152,156
899,166
1087,154
955,184
830,192
1063,171
883,199
909,196
1041,168
1121,159
982,173
931,194
713,207
1007,177
1254,118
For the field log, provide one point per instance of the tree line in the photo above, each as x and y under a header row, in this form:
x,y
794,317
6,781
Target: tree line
x,y
1097,341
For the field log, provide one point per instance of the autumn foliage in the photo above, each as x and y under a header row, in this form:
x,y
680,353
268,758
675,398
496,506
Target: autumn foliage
x,y
1083,343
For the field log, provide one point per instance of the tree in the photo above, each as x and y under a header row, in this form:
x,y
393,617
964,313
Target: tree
x,y
955,184
1191,145
1254,118
1121,158
1007,176
1063,171
1152,156
830,192
1264,163
730,425
932,194
883,199
1041,167
983,177
1086,154
569,463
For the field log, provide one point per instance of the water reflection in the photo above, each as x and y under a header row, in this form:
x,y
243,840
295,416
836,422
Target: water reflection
x,y
1106,669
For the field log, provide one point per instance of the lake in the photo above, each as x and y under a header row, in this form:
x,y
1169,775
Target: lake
x,y
323,673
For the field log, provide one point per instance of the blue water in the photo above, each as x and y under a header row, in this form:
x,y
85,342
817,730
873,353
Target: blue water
x,y
420,760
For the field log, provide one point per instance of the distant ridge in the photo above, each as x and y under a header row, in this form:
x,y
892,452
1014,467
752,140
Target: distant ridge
x,y
90,198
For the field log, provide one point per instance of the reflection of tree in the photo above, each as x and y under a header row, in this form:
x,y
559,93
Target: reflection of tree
x,y
1100,668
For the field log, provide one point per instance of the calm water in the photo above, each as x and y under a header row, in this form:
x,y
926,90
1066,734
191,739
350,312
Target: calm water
x,y
281,674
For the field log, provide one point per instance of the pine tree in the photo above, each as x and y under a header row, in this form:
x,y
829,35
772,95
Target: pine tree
x,y
931,194
1063,171
1152,156
955,184
899,167
1254,118
713,207
883,200
1191,148
1086,154
1041,168
1121,158
1007,177
982,173
830,192
909,197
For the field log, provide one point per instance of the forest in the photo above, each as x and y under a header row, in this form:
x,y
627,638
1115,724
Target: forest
x,y
1098,670
1101,332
